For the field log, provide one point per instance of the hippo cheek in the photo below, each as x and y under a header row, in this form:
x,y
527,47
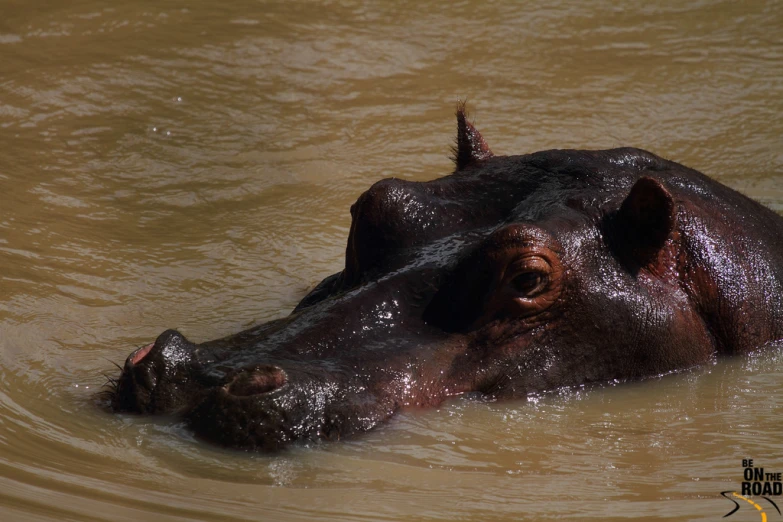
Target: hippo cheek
x,y
265,408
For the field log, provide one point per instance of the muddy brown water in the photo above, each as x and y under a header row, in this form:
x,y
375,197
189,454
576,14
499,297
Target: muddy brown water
x,y
191,165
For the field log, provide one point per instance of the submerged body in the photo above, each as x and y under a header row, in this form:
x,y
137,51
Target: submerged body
x,y
514,274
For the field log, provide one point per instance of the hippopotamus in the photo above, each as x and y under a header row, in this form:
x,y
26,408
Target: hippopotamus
x,y
511,276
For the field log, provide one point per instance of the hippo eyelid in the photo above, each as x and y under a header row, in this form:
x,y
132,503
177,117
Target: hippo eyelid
x,y
520,236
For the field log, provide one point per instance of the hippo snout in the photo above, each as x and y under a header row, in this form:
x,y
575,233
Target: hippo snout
x,y
226,399
155,377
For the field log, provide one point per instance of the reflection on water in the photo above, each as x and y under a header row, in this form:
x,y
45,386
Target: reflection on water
x,y
191,166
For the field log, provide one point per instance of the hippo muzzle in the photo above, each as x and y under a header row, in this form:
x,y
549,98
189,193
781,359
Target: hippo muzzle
x,y
295,379
155,377
243,404
513,275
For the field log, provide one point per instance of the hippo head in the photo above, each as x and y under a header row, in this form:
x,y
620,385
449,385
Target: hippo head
x,y
512,275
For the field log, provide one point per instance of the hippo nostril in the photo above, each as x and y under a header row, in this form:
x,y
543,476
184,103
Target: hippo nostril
x,y
156,377
260,379
137,356
170,338
169,345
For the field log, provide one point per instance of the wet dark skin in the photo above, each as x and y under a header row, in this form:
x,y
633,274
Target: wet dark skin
x,y
512,275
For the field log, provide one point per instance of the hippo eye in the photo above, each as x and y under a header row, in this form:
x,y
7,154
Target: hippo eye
x,y
529,283
528,277
518,275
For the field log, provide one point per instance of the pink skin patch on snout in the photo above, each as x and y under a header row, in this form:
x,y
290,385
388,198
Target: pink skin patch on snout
x,y
262,379
141,353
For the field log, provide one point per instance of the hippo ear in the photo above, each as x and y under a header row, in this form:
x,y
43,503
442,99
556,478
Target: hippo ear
x,y
471,146
644,222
